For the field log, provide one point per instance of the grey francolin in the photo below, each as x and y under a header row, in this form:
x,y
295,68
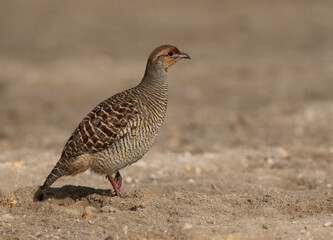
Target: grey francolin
x,y
121,129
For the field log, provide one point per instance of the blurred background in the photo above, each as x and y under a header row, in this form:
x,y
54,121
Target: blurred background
x,y
260,75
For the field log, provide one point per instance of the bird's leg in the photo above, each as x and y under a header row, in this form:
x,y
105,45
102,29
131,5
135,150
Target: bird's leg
x,y
119,179
114,184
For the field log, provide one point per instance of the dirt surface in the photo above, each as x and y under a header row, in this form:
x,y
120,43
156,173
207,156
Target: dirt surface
x,y
246,151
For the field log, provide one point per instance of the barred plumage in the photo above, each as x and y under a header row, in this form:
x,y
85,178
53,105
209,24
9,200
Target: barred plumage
x,y
121,129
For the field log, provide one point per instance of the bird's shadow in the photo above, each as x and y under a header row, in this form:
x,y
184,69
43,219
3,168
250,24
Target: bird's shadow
x,y
70,191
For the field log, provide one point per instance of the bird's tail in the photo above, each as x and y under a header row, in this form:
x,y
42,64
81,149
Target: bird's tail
x,y
51,178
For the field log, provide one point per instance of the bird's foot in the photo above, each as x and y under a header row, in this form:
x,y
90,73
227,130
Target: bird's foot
x,y
114,182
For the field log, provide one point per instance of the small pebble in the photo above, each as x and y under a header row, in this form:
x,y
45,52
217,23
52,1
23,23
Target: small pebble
x,y
108,209
283,152
125,229
330,150
17,165
328,224
88,214
152,177
6,217
110,218
191,180
300,175
92,209
270,161
128,179
198,170
105,209
187,154
187,226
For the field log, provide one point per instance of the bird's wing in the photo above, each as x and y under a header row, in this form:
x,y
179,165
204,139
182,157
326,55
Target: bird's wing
x,y
104,125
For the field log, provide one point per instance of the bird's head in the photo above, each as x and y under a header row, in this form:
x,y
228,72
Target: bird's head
x,y
165,56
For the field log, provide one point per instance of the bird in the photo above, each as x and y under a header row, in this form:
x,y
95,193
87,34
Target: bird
x,y
120,130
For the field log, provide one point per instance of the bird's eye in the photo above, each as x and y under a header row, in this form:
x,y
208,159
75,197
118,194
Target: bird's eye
x,y
170,53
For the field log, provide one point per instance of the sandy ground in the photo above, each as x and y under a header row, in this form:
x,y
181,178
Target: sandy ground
x,y
246,151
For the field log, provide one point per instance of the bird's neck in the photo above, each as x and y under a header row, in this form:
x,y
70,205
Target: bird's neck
x,y
154,88
155,77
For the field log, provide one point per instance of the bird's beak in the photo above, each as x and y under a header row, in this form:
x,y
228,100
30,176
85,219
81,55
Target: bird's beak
x,y
184,55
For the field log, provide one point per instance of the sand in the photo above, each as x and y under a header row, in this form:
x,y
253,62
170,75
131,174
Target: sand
x,y
246,151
